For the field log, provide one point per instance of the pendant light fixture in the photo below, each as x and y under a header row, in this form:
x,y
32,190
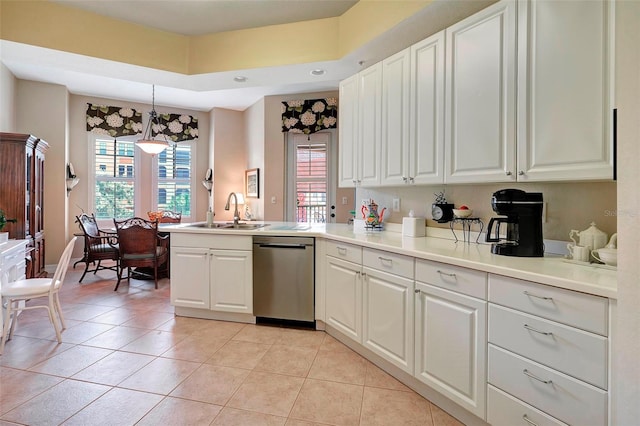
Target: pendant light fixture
x,y
148,144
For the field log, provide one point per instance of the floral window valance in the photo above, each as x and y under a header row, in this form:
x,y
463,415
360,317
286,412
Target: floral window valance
x,y
309,116
113,121
177,127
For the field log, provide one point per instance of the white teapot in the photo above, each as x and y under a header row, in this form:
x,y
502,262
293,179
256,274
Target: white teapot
x,y
592,237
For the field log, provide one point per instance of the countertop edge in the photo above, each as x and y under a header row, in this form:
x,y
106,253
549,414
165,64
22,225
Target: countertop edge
x,y
546,270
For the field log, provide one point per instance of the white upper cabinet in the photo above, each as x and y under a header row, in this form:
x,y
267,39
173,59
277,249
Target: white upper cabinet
x,y
348,132
395,118
520,91
481,96
426,132
359,128
369,123
564,90
413,114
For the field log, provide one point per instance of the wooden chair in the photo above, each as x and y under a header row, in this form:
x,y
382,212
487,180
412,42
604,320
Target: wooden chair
x,y
140,246
98,245
16,294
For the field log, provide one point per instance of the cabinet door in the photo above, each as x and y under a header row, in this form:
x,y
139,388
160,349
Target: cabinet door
x,y
450,345
564,90
190,277
369,123
343,297
480,93
426,133
387,325
231,274
395,119
348,132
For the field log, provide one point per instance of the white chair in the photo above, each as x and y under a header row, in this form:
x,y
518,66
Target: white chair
x,y
22,290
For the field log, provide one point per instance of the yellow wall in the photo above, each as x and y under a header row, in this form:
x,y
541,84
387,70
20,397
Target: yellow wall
x,y
73,30
368,19
50,25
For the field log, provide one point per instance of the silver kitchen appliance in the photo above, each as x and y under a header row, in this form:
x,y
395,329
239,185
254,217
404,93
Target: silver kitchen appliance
x,y
283,278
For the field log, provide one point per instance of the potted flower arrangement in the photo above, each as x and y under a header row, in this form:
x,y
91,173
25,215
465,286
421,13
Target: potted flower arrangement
x,y
4,236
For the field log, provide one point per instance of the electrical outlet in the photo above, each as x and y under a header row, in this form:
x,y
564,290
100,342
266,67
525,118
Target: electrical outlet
x,y
273,199
396,205
345,200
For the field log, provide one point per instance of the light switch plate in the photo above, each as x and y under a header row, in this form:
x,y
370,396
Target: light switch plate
x,y
396,205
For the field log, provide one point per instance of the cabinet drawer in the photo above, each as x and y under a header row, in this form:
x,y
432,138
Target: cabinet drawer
x,y
462,280
389,262
505,410
580,310
348,252
563,397
575,352
225,242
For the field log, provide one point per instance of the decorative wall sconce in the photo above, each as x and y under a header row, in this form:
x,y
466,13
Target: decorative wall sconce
x,y
72,180
71,183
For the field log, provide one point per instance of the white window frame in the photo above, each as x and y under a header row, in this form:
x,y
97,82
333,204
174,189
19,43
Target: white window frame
x,y
192,181
91,178
332,158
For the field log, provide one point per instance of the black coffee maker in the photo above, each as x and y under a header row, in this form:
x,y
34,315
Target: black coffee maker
x,y
523,211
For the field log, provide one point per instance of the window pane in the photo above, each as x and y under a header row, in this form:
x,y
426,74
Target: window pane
x,y
174,179
114,199
175,195
311,182
312,161
114,191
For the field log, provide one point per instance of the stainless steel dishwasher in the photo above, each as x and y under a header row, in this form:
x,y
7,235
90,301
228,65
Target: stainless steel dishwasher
x,y
283,278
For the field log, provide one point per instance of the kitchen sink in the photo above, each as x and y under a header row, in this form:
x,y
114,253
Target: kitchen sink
x,y
228,225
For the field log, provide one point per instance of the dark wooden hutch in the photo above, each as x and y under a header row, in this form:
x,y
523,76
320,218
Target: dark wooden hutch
x,y
22,193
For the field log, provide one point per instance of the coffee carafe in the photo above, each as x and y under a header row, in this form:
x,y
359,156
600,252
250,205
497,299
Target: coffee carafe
x,y
523,223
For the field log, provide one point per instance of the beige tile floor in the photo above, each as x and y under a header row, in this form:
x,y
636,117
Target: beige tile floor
x,y
126,359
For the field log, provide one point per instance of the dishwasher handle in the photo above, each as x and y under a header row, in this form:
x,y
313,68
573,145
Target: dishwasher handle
x,y
283,246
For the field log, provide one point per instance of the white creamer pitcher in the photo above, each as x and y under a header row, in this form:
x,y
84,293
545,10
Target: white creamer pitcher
x,y
592,237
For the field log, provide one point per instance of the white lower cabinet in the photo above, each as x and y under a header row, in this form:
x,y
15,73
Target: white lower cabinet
x,y
212,272
190,277
506,350
388,309
450,345
343,296
230,274
548,349
505,410
561,396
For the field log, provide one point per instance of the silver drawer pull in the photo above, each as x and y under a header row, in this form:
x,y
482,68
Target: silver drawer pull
x,y
385,259
546,333
445,273
341,250
533,376
417,290
537,297
526,419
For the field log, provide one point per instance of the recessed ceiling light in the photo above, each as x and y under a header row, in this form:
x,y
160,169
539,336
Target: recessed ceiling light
x,y
318,72
240,79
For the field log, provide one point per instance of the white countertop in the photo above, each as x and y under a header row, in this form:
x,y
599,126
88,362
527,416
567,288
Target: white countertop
x,y
550,270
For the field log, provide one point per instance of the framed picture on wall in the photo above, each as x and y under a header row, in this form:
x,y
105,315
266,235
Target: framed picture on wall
x,y
252,182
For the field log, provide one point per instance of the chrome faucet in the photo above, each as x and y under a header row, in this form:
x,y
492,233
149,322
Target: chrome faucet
x,y
236,213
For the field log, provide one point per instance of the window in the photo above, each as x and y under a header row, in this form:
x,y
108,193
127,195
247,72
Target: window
x,y
174,178
122,186
309,177
114,178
